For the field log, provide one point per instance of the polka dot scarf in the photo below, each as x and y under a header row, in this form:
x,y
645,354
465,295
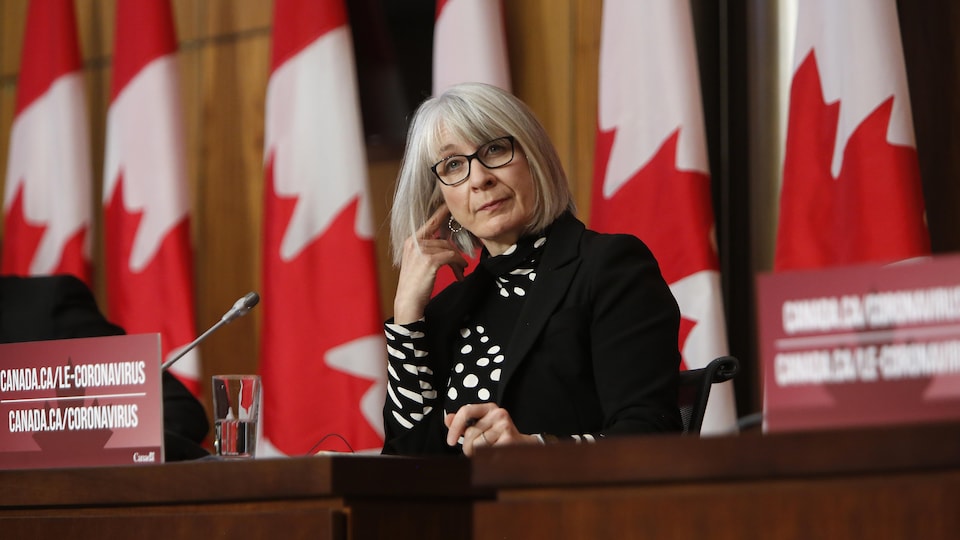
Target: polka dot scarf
x,y
479,357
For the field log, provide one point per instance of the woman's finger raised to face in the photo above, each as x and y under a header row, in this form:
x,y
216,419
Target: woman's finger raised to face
x,y
434,224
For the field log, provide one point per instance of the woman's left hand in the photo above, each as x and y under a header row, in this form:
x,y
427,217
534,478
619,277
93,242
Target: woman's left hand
x,y
483,424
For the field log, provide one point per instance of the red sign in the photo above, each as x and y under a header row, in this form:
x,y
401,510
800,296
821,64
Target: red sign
x,y
861,345
81,402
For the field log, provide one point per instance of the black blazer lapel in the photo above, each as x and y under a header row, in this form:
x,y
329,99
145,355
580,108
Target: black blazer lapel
x,y
556,271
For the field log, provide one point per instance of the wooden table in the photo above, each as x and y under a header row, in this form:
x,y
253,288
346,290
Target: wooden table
x,y
878,483
335,497
891,483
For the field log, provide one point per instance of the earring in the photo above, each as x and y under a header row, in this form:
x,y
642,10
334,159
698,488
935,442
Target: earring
x,y
453,225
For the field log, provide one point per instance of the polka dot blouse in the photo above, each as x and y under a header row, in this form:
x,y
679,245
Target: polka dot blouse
x,y
479,357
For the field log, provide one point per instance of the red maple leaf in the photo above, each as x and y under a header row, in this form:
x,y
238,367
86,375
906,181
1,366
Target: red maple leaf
x,y
158,298
20,238
670,210
72,259
872,212
325,297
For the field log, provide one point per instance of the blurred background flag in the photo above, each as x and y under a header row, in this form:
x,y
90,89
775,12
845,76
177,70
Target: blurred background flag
x,y
323,357
651,176
147,248
48,199
469,45
851,180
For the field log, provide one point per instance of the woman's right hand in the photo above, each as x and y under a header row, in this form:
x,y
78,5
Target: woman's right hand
x,y
418,268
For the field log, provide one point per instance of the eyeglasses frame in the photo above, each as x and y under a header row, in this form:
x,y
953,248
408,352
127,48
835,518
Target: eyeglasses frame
x,y
470,158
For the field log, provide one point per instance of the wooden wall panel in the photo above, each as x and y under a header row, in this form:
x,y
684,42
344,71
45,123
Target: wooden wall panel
x,y
230,113
95,21
234,17
586,54
8,94
13,13
538,38
554,46
97,78
382,172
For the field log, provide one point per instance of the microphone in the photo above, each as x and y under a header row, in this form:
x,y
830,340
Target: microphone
x,y
240,308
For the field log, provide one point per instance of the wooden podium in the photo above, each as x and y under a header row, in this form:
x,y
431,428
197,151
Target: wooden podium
x,y
877,483
894,483
324,497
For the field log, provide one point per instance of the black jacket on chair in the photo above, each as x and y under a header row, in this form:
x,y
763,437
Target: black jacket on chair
x,y
595,348
59,307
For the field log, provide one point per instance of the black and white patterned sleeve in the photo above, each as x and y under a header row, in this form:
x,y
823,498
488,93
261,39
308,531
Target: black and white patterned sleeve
x,y
411,391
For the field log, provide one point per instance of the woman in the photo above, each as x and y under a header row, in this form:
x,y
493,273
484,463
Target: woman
x,y
560,332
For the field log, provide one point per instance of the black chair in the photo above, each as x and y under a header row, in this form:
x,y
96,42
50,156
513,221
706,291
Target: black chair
x,y
694,391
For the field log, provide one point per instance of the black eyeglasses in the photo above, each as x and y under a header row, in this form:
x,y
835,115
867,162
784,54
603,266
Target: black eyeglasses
x,y
454,170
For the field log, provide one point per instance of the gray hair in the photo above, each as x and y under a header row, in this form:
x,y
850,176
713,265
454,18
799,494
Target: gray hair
x,y
476,113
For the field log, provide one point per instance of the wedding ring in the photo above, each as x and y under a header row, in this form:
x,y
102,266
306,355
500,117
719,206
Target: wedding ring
x,y
483,434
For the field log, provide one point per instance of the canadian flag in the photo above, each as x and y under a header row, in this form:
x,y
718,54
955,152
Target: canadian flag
x,y
323,358
48,200
651,175
149,259
851,181
469,45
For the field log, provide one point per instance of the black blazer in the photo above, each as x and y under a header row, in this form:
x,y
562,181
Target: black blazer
x,y
595,349
59,307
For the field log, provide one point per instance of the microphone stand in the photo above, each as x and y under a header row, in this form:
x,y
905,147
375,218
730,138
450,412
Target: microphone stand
x,y
239,309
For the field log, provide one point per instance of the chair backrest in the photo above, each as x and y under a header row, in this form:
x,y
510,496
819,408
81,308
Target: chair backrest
x,y
694,391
